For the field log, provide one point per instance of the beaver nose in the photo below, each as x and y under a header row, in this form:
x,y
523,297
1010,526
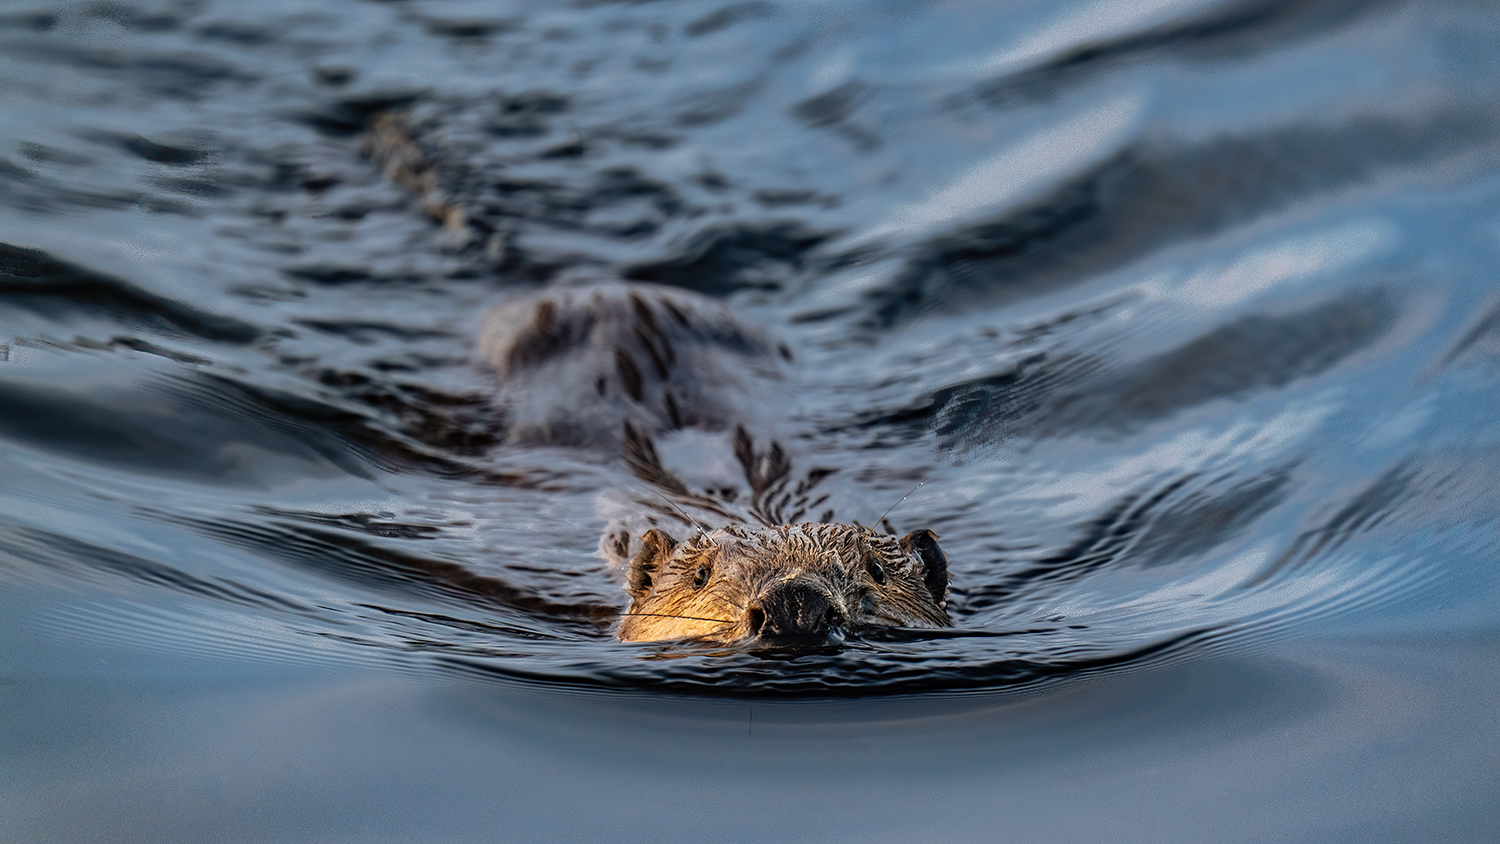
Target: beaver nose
x,y
794,611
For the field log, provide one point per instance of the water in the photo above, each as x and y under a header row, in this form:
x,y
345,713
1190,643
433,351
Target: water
x,y
1185,311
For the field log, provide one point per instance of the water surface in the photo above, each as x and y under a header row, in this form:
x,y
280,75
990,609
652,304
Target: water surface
x,y
1184,310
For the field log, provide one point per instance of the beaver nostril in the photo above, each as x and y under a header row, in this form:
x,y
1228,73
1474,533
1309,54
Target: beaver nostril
x,y
757,618
794,611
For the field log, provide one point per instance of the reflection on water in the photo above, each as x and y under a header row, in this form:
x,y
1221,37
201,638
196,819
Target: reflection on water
x,y
1184,310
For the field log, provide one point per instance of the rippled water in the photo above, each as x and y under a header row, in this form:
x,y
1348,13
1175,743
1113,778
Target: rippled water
x,y
1185,311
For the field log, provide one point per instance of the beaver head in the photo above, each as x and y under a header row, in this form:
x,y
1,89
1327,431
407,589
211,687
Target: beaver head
x,y
787,586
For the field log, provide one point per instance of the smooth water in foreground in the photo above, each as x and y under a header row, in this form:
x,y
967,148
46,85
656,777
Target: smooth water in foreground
x,y
1185,310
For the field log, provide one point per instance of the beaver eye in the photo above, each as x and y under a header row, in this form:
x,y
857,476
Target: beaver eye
x,y
876,572
700,577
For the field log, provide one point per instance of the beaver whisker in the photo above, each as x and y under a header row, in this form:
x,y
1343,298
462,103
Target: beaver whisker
x,y
694,522
688,617
697,501
898,503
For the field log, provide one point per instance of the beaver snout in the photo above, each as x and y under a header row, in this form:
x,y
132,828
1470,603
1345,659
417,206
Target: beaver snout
x,y
795,612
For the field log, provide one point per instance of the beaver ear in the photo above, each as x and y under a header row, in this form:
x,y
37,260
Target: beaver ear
x,y
934,562
656,546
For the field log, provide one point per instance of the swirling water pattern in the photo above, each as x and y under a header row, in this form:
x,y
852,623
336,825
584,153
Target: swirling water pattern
x,y
1184,311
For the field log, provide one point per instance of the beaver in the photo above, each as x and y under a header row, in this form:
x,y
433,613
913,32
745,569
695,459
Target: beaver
x,y
784,585
621,363
613,365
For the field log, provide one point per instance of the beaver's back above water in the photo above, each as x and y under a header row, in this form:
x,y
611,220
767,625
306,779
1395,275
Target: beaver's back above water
x,y
578,363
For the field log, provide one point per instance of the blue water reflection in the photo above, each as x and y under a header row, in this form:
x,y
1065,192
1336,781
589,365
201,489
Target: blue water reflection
x,y
1184,310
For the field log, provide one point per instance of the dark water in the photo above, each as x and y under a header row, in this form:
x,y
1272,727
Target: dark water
x,y
1186,310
